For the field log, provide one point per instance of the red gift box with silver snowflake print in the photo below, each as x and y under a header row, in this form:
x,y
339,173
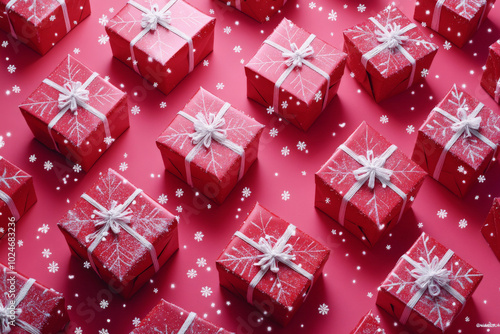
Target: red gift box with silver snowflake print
x,y
368,325
272,264
491,227
428,287
490,80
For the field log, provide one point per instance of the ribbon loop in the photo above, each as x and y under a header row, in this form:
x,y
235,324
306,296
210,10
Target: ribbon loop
x,y
208,129
431,276
466,122
75,95
154,16
372,169
6,316
392,35
280,252
295,56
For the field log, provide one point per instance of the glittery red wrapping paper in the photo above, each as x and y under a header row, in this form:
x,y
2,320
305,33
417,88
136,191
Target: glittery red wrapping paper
x,y
279,294
42,307
161,55
40,23
368,325
491,227
168,318
18,185
261,10
214,170
459,19
430,314
80,136
302,94
491,73
469,157
388,73
370,213
121,260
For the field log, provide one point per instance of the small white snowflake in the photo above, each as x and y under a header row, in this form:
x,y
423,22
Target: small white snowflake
x,y
155,290
334,232
163,104
47,165
461,169
384,119
108,140
327,200
103,331
323,309
16,89
361,8
104,304
123,166
332,16
198,236
369,294
211,11
103,39
447,45
103,20
135,110
136,322
32,158
467,319
462,223
420,225
227,30
442,213
52,18
285,151
201,262
46,253
11,68
246,192
162,199
86,264
179,192
206,291
388,247
2,142
192,273
179,208
312,5
481,178
270,110
284,104
237,49
205,62
5,44
220,86
410,129
76,51
285,195
273,132
20,243
318,96
77,168
301,146
78,330
53,267
44,229
424,72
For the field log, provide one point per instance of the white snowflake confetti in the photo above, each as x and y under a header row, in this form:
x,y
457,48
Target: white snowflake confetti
x,y
46,253
318,96
47,165
461,169
108,140
2,142
369,294
384,119
388,247
246,192
205,62
285,151
323,309
442,213
424,72
285,195
206,291
447,45
198,236
327,200
462,223
135,110
301,146
201,262
332,16
162,199
76,51
16,89
44,229
192,273
312,5
123,166
163,104
227,30
270,110
78,330
5,44
361,8
103,331
410,129
103,39
136,322
237,49
52,18
220,86
273,132
481,178
103,20
86,264
20,243
77,168
53,267
420,225
179,208
284,104
11,69
104,304
179,192
32,158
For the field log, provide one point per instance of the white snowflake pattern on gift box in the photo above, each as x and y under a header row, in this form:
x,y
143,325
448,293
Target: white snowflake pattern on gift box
x,y
9,179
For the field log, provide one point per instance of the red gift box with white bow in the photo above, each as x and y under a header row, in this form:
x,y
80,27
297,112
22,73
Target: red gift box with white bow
x,y
490,80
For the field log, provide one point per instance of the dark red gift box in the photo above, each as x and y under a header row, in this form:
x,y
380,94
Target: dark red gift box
x,y
124,234
457,141
169,318
176,36
490,80
295,74
40,24
280,282
210,145
455,20
81,128
345,192
17,194
434,280
261,10
491,227
28,306
388,53
368,325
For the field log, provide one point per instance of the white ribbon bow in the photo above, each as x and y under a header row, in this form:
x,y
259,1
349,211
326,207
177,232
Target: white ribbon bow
x,y
431,276
73,96
373,168
271,255
392,36
466,122
154,16
113,219
296,55
206,129
5,318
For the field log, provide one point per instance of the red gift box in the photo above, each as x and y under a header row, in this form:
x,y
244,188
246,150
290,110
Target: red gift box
x,y
124,234
261,10
210,145
272,264
458,141
490,80
295,74
161,40
17,195
28,306
367,185
76,112
388,53
428,287
40,24
169,318
455,20
368,325
491,227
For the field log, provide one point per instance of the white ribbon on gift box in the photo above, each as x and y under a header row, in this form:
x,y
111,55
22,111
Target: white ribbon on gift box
x,y
391,37
296,58
497,92
436,16
6,312
73,95
64,10
118,216
9,202
206,131
467,125
271,255
370,170
162,18
237,4
429,277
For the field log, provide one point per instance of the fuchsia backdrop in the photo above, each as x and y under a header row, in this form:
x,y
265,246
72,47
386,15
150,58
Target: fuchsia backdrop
x,y
352,273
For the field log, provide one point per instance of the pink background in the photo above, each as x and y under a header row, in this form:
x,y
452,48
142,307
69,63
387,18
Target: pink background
x,y
352,272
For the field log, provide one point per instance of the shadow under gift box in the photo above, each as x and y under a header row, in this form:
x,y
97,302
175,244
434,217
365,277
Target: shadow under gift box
x,y
428,287
40,24
17,194
300,85
127,230
212,146
343,189
80,135
491,227
42,310
279,291
160,51
458,148
490,80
